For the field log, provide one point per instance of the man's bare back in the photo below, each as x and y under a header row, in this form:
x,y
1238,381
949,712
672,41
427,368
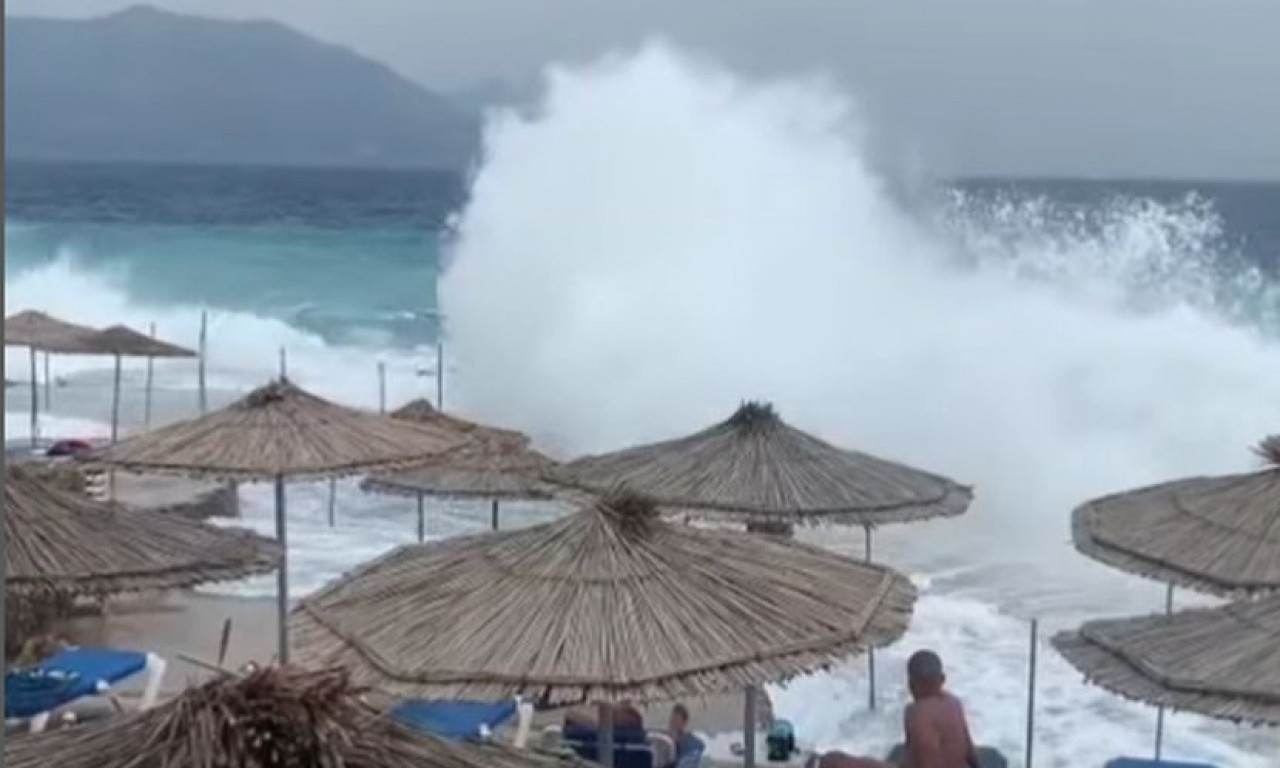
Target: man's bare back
x,y
938,734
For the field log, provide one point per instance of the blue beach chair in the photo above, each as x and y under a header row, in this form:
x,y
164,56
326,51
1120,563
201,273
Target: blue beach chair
x,y
460,720
1137,762
73,674
631,747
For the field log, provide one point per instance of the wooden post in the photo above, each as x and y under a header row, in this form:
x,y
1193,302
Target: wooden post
x,y
422,521
146,400
333,500
604,735
282,582
204,354
1168,609
439,372
1031,694
382,387
115,404
749,728
871,652
48,384
35,400
495,514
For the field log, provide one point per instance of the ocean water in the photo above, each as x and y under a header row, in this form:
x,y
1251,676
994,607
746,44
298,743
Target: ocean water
x,y
660,239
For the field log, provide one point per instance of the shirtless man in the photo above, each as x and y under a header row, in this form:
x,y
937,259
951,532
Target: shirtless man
x,y
937,733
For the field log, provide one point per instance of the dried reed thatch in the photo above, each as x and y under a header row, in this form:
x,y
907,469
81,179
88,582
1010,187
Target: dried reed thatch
x,y
124,341
280,430
1223,662
1216,534
422,411
48,334
58,542
754,466
272,718
606,604
489,471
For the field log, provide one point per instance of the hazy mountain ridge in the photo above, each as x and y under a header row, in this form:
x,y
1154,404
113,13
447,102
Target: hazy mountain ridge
x,y
149,85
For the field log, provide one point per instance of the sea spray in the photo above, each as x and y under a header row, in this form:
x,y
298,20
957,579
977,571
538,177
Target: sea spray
x,y
661,240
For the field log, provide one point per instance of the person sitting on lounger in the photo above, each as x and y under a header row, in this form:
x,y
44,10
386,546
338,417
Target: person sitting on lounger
x,y
937,733
689,748
625,717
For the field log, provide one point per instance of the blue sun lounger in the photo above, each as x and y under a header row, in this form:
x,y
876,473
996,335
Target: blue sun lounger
x,y
1135,762
73,674
461,720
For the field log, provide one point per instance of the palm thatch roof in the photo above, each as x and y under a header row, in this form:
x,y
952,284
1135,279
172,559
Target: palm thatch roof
x,y
606,604
58,541
756,467
490,471
122,340
281,430
277,716
1223,662
1217,534
423,412
38,330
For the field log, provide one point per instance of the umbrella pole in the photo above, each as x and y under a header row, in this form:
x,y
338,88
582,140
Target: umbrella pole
x,y
439,374
333,498
282,589
1031,693
204,354
495,514
422,521
1168,609
48,386
115,404
382,388
146,400
871,652
749,727
35,398
604,735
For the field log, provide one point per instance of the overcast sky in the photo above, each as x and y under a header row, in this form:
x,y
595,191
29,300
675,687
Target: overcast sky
x,y
1158,88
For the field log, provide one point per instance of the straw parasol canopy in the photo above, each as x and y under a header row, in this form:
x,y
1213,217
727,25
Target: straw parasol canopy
x,y
755,466
484,471
1216,534
423,412
280,430
40,331
606,604
124,341
1223,662
272,717
275,432
57,541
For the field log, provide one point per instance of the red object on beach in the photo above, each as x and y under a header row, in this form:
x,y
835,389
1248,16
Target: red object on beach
x,y
70,447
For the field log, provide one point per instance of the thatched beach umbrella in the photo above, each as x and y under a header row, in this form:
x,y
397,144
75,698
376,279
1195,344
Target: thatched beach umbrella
x,y
276,432
492,471
754,468
423,412
68,543
606,604
1214,534
271,717
40,332
120,341
1222,662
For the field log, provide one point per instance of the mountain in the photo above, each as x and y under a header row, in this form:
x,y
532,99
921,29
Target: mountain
x,y
149,85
